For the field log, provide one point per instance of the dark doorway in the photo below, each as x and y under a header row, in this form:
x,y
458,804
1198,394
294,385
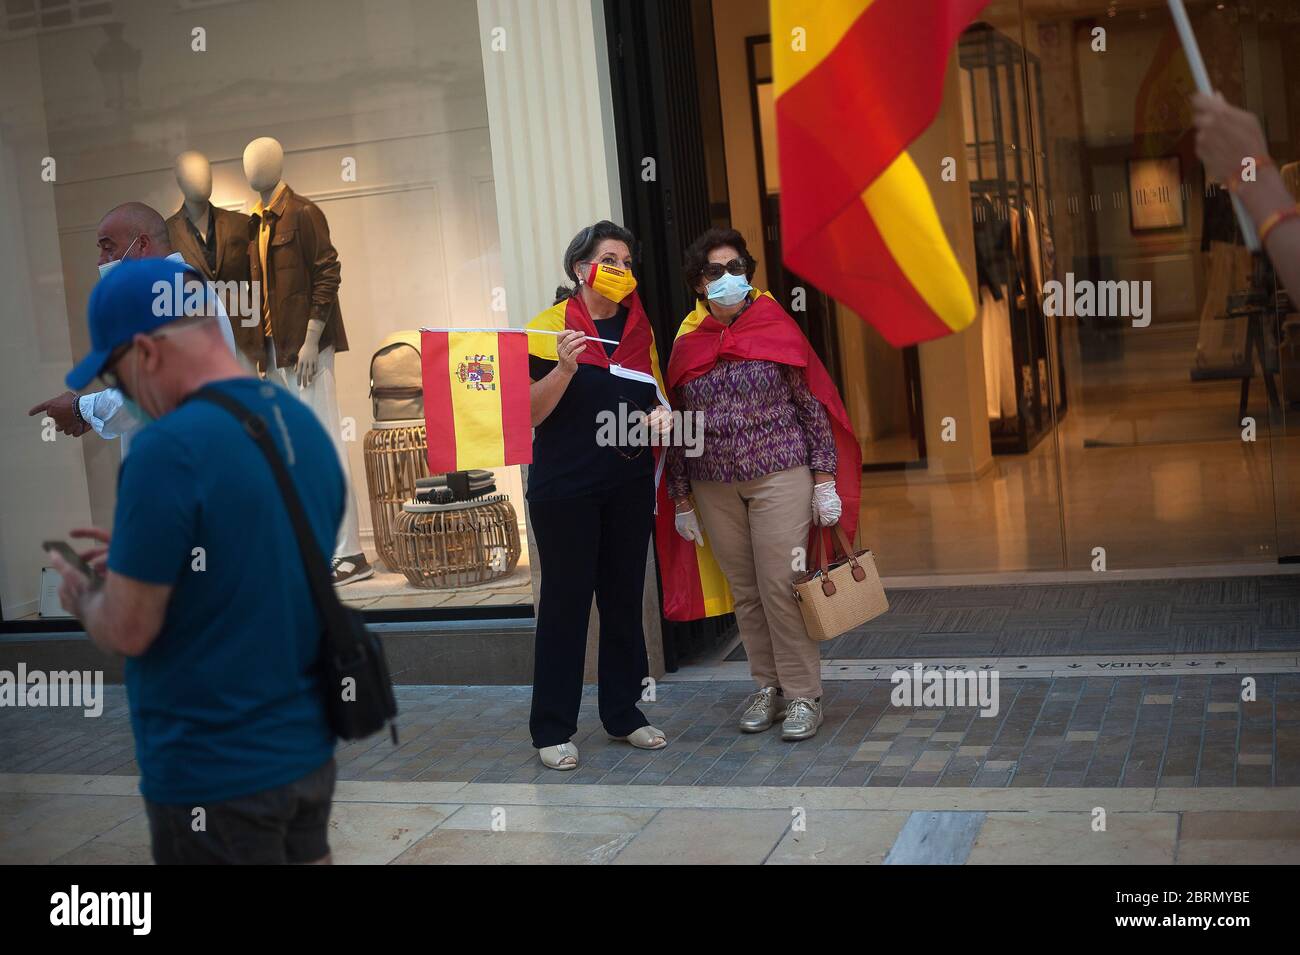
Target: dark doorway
x,y
670,188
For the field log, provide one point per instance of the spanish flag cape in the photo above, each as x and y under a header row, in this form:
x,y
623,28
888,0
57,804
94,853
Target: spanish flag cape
x,y
763,332
635,352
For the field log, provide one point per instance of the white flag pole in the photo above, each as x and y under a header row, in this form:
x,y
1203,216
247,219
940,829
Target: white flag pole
x,y
529,331
1202,79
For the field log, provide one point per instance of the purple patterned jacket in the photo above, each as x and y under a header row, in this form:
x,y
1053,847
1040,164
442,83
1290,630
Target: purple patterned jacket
x,y
759,418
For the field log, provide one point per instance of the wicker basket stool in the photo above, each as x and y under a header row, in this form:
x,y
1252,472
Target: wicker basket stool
x,y
395,455
443,546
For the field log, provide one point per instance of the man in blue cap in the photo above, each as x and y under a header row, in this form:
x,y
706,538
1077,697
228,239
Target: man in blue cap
x,y
201,584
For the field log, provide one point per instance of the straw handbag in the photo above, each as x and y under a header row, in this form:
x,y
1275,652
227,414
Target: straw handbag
x,y
844,595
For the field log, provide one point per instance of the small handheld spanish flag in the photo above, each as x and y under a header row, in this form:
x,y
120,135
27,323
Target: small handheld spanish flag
x,y
476,411
856,81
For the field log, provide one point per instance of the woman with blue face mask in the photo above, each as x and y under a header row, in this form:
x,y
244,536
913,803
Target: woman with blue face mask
x,y
778,456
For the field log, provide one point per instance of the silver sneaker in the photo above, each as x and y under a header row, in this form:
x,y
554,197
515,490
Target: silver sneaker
x,y
762,710
802,718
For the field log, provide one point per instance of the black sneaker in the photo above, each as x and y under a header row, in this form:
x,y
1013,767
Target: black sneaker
x,y
347,570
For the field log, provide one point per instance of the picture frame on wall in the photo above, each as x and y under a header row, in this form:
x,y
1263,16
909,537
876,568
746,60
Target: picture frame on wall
x,y
1155,195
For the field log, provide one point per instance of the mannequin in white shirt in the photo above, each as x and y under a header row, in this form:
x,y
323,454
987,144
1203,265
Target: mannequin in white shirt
x,y
131,230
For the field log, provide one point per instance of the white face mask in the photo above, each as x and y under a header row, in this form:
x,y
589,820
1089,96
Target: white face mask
x,y
112,263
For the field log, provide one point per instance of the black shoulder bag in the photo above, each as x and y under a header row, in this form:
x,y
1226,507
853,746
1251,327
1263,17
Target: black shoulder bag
x,y
354,673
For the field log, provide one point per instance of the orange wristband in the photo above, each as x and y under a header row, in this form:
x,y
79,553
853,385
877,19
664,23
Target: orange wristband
x,y
1276,219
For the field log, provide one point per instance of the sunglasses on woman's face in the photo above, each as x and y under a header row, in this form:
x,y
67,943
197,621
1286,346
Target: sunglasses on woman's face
x,y
715,270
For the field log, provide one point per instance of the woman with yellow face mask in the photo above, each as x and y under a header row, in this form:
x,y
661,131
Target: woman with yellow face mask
x,y
591,492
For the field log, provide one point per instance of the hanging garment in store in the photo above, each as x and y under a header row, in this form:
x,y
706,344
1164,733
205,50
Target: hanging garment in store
x,y
1042,261
999,361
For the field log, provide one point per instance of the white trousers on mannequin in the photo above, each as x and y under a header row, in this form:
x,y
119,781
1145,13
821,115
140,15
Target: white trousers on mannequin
x,y
322,397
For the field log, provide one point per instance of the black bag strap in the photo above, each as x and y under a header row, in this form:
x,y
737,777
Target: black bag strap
x,y
313,561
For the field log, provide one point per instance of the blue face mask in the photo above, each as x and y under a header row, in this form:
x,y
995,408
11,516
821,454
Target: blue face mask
x,y
138,413
134,408
728,290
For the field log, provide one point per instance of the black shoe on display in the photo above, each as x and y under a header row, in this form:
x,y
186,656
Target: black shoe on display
x,y
347,570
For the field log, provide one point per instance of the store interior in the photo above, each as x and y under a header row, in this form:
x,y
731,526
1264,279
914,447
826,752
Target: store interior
x,y
1067,433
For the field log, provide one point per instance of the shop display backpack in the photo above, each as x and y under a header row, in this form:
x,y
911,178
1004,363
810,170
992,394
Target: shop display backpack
x,y
396,381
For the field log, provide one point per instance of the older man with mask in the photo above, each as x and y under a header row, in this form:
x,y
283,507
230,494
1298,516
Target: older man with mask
x,y
130,231
222,674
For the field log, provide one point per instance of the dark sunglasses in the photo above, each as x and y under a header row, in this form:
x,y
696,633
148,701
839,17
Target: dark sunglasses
x,y
109,373
715,270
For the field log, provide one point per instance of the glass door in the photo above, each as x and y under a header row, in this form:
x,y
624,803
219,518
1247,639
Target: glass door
x,y
1169,360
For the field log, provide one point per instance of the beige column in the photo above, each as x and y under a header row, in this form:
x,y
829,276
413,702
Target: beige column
x,y
551,120
952,368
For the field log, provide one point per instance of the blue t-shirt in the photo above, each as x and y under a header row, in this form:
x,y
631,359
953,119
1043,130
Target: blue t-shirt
x,y
226,701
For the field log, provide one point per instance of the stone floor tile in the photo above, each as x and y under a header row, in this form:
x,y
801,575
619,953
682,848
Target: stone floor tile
x,y
1038,838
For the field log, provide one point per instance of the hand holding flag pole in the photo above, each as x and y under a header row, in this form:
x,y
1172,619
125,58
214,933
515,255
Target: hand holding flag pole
x,y
1202,79
529,331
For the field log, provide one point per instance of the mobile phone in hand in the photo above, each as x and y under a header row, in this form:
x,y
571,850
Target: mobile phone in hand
x,y
64,550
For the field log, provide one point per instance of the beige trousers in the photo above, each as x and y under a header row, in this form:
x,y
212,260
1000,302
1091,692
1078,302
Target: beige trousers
x,y
755,528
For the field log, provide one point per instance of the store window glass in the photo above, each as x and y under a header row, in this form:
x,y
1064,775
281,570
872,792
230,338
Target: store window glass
x,y
1172,452
380,127
1152,426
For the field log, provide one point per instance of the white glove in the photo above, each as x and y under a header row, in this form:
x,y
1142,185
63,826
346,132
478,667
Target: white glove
x,y
309,354
689,527
826,504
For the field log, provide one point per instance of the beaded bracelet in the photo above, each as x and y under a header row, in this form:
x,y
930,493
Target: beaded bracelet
x,y
1276,219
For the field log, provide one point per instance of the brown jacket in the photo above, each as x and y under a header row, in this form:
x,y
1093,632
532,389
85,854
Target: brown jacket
x,y
303,283
231,266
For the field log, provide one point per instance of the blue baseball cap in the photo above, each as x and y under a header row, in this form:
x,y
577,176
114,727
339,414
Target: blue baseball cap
x,y
126,302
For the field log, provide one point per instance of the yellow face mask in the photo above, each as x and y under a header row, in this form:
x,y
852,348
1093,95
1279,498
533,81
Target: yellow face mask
x,y
613,283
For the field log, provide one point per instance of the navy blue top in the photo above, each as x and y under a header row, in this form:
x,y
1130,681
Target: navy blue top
x,y
226,702
570,455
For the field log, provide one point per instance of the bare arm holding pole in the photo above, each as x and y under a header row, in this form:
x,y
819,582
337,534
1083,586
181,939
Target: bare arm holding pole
x,y
1225,138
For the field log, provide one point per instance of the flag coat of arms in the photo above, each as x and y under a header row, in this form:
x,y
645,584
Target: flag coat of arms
x,y
856,81
476,411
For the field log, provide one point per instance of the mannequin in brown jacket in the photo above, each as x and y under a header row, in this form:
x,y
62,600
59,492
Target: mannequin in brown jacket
x,y
215,241
291,256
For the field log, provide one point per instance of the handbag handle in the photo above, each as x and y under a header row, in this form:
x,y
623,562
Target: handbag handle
x,y
828,585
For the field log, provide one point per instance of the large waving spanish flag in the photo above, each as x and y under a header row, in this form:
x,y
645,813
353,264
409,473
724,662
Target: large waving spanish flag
x,y
856,81
693,584
476,411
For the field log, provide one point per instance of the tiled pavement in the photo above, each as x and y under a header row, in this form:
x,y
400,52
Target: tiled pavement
x,y
92,820
1207,615
1096,732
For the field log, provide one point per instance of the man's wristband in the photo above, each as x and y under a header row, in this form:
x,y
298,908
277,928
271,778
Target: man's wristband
x,y
76,408
1276,219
